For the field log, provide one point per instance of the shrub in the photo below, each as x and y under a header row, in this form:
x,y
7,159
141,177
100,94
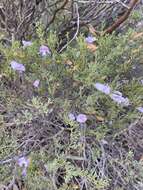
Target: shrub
x,y
64,153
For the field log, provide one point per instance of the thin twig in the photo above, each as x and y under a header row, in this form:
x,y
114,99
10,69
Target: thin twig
x,y
77,30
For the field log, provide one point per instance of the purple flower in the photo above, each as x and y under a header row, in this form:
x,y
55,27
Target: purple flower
x,y
17,66
103,88
44,50
117,92
81,118
142,81
117,97
140,109
72,117
23,162
90,39
36,83
24,172
26,43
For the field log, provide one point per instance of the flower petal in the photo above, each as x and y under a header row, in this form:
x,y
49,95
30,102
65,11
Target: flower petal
x,y
36,83
142,81
103,88
71,116
26,43
81,118
118,93
90,39
140,109
23,162
17,66
44,50
119,99
24,172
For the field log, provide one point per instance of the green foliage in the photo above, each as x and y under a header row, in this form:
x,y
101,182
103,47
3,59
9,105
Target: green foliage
x,y
66,85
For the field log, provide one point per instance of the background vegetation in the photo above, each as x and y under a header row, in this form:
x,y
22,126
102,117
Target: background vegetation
x,y
59,151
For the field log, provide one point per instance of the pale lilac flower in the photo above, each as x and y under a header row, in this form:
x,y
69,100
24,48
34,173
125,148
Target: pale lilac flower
x,y
24,172
117,97
23,162
104,142
44,50
71,116
118,93
103,88
36,83
81,118
26,43
140,109
17,66
142,81
90,39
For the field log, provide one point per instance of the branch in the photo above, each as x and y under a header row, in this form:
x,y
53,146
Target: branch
x,y
124,17
55,13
